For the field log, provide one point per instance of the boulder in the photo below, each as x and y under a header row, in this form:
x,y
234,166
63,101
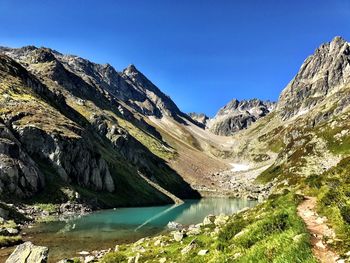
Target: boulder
x,y
178,236
89,259
208,220
189,247
174,225
193,231
29,253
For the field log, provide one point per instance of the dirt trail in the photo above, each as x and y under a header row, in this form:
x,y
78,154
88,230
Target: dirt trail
x,y
318,229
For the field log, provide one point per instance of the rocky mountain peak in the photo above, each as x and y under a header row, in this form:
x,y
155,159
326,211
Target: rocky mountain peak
x,y
42,55
322,73
237,115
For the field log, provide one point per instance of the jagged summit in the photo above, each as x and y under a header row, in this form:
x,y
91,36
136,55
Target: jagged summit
x,y
320,76
131,68
237,115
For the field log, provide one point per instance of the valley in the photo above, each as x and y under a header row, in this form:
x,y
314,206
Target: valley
x,y
77,137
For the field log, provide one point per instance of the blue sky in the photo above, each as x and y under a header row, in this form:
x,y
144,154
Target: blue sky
x,y
202,53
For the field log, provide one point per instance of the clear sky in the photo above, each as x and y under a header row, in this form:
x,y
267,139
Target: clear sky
x,y
202,53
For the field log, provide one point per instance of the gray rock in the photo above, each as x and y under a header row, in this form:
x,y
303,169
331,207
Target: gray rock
x,y
178,236
174,225
208,220
238,115
322,73
201,118
29,253
12,231
192,245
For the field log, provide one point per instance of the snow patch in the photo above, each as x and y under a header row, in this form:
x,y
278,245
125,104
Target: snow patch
x,y
239,167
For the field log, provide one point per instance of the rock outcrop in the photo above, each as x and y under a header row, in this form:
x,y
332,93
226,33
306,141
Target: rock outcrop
x,y
29,253
201,118
238,115
19,174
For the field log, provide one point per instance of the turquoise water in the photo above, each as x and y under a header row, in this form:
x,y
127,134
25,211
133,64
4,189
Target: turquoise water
x,y
105,229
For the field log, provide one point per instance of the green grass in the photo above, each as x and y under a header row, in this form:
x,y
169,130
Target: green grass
x,y
6,241
269,174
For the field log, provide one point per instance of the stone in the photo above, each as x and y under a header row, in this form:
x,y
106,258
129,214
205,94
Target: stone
x,y
320,245
193,231
157,242
162,260
319,220
84,253
27,252
140,241
89,259
139,248
174,225
178,236
203,252
189,247
116,248
12,231
208,220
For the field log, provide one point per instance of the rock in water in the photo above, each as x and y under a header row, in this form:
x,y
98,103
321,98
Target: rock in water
x,y
28,253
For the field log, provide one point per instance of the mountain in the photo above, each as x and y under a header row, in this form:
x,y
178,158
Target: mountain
x,y
323,75
201,118
238,115
70,125
293,156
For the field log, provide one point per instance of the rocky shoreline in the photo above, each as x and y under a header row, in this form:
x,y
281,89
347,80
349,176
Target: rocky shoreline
x,y
62,212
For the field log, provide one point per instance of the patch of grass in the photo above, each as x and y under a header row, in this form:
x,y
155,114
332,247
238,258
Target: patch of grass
x,y
51,208
114,257
6,241
269,174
